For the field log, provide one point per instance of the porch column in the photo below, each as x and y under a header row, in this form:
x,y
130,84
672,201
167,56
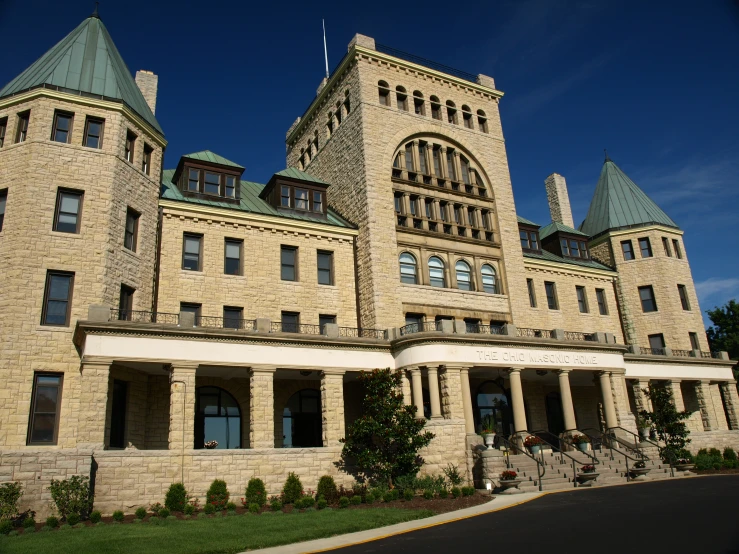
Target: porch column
x,y
640,399
262,407
731,401
608,406
417,385
469,418
182,406
332,406
93,404
705,403
568,410
673,386
405,388
434,393
519,414
452,405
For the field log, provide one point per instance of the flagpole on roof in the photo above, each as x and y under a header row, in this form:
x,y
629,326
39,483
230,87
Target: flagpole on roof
x,y
325,50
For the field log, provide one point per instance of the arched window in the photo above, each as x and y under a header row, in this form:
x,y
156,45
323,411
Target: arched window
x,y
302,158
493,408
436,272
408,269
402,98
338,113
418,105
435,107
464,275
347,103
315,141
467,117
482,121
308,152
217,418
384,91
451,112
301,420
465,165
489,279
330,125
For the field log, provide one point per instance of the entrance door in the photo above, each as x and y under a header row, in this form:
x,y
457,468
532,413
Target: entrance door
x,y
555,418
118,414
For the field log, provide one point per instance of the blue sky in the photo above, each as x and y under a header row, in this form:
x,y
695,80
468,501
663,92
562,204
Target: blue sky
x,y
653,81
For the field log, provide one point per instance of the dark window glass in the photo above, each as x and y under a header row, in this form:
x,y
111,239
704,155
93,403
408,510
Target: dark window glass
x,y
347,104
694,344
232,317
600,294
414,205
318,202
467,117
301,199
125,303
146,161
429,205
450,169
645,247
3,202
384,96
191,250
62,127
68,207
489,279
648,302
533,237
436,155
524,235
409,157
435,110
683,291
464,276
212,183
565,247
451,113
217,418
532,293
656,342
436,272
402,99
93,133
666,246
627,249
57,298
324,319
132,229
415,320
288,262
551,291
676,248
582,300
193,180
482,123
443,211
422,158
118,414
45,404
325,268
194,309
3,130
230,186
232,262
408,273
130,143
398,199
285,196
574,249
290,322
21,133
301,420
465,165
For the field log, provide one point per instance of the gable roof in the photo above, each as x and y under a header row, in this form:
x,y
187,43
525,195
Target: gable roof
x,y
212,157
619,203
555,227
85,61
551,257
525,221
295,173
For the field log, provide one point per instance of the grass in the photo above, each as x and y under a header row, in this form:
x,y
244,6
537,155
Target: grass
x,y
211,536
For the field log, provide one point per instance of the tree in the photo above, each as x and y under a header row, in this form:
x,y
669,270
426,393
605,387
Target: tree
x,y
383,443
666,422
724,333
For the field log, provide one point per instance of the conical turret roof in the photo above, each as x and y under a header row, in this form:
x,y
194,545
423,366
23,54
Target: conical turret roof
x,y
619,203
85,61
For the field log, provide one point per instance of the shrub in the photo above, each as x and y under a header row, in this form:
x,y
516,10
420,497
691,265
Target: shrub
x,y
276,506
309,501
140,512
96,516
298,504
52,522
118,515
327,488
406,482
730,454
189,509
443,493
377,493
369,499
456,492
10,494
163,513
321,504
6,526
468,491
29,522
356,500
176,498
667,423
231,507
154,508
343,502
209,509
71,496
451,472
428,495
434,484
253,508
715,452
256,492
73,519
217,495
408,494
292,489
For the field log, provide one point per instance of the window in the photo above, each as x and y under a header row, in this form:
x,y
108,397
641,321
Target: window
x,y
384,93
232,260
676,248
694,344
532,293
190,308
657,342
472,217
666,246
301,420
457,211
422,158
318,202
436,272
347,103
551,291
119,402
464,276
337,113
3,202
489,279
450,167
467,117
301,199
21,133
62,129
325,268
398,200
68,210
573,248
192,249
648,302
285,196
465,165
93,133
3,129
132,230
435,108
683,291
429,207
212,183
323,319
288,263
125,303
230,186
443,211
46,401
193,180
451,112
330,125
529,239
146,160
409,157
582,300
418,106
436,155
415,320
232,317
482,122
600,295
408,272
130,144
290,322
402,98
627,249
57,298
217,418
315,133
645,247
565,247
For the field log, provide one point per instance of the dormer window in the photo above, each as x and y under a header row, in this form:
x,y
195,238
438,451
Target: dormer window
x,y
301,199
212,183
285,197
529,240
318,202
574,248
193,183
288,191
205,175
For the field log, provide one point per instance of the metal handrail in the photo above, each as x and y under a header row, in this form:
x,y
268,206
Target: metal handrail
x,y
558,450
144,316
663,452
534,333
511,446
479,328
569,443
611,433
358,332
607,439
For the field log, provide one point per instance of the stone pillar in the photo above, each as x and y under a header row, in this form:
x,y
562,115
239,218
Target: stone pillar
x,y
182,406
332,407
673,386
417,385
405,388
568,410
434,393
452,405
93,407
640,399
609,407
705,402
519,414
262,407
469,418
731,400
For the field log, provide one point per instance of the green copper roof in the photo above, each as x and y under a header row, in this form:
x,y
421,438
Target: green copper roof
x,y
249,202
556,226
85,61
618,203
302,175
212,157
526,221
550,257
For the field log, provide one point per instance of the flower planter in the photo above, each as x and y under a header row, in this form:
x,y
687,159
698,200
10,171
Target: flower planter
x,y
535,449
582,447
684,467
587,479
489,439
637,472
644,434
509,484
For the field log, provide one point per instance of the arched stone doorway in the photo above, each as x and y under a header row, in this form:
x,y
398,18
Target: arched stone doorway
x,y
217,417
493,401
301,420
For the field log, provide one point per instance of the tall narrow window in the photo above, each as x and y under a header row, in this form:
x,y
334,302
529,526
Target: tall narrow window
x,y
482,122
194,309
565,247
57,298
21,133
398,202
230,186
450,168
384,92
600,295
130,144
457,214
132,229
472,217
435,108
464,276
402,98
46,401
93,133
436,272
418,105
315,134
694,344
429,206
192,252
330,125
62,129
290,322
285,196
413,204
451,112
3,202
683,292
436,154
325,268
212,183
467,117
146,160
627,249
574,249
582,300
551,291
676,248
324,319
301,199
489,279
318,202
193,180
645,247
3,130
657,343
408,269
443,215
288,263
232,317
347,103
125,303
666,246
532,292
232,261
118,405
409,157
68,211
465,165
648,302
422,158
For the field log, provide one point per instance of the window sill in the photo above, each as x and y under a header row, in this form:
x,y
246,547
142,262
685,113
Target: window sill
x,y
56,328
66,235
132,253
232,276
191,272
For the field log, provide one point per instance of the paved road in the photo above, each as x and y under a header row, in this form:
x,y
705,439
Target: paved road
x,y
694,516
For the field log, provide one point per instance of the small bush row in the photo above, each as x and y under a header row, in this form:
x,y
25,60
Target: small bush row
x,y
713,458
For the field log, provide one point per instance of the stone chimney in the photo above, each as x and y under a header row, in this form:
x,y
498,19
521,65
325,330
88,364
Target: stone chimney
x,y
559,200
363,41
148,83
321,85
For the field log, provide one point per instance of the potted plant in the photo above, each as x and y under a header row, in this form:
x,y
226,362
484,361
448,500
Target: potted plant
x,y
581,442
644,427
639,469
488,430
684,464
587,474
509,480
533,443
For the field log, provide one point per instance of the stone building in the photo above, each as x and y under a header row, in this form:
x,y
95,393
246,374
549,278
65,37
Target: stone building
x,y
149,311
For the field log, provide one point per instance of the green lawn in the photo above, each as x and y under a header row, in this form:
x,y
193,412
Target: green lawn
x,y
212,535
